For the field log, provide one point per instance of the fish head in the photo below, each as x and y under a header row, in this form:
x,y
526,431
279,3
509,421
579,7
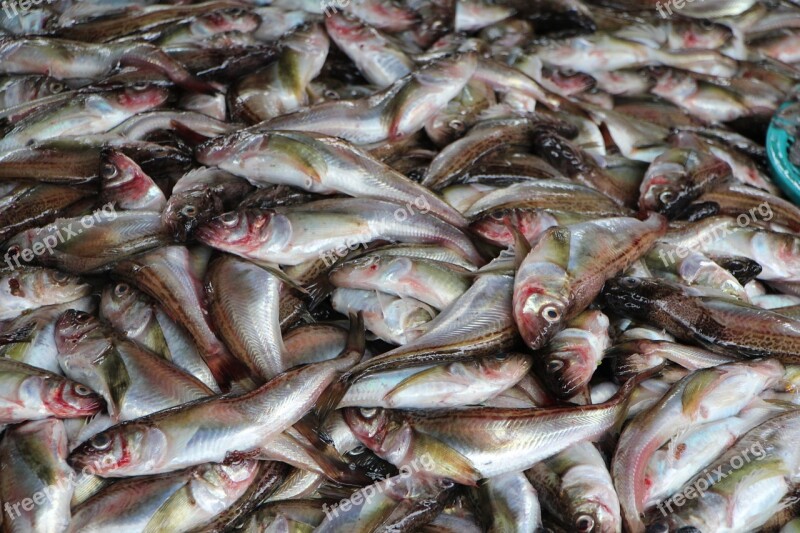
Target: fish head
x,y
74,330
364,268
347,28
695,34
35,283
186,211
663,187
227,20
229,150
541,303
238,231
634,297
595,517
504,368
432,86
121,300
69,399
567,370
119,447
380,431
118,170
140,98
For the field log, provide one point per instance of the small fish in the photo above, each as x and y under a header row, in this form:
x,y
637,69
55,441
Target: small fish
x,y
567,267
30,393
133,381
127,187
27,288
575,486
34,457
292,235
281,86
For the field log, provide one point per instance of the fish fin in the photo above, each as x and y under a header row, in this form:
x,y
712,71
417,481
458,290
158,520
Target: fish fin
x,y
21,334
275,270
335,468
412,381
449,462
169,515
521,245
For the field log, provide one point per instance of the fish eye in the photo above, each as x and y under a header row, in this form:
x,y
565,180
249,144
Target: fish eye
x,y
56,87
82,317
502,356
101,441
14,249
706,24
369,412
60,277
229,219
121,289
82,390
554,365
551,313
456,124
658,527
358,450
140,86
584,523
331,94
630,282
666,197
109,171
189,211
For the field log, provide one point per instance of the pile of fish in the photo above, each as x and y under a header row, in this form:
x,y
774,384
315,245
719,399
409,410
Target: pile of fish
x,y
397,265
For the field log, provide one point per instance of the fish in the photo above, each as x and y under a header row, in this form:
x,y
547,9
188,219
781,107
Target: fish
x,y
171,275
177,501
327,228
244,303
30,393
439,386
320,164
91,243
30,337
678,177
473,443
82,60
34,460
575,484
721,325
396,320
574,353
380,60
566,270
26,288
396,112
133,381
430,282
280,87
703,396
210,429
